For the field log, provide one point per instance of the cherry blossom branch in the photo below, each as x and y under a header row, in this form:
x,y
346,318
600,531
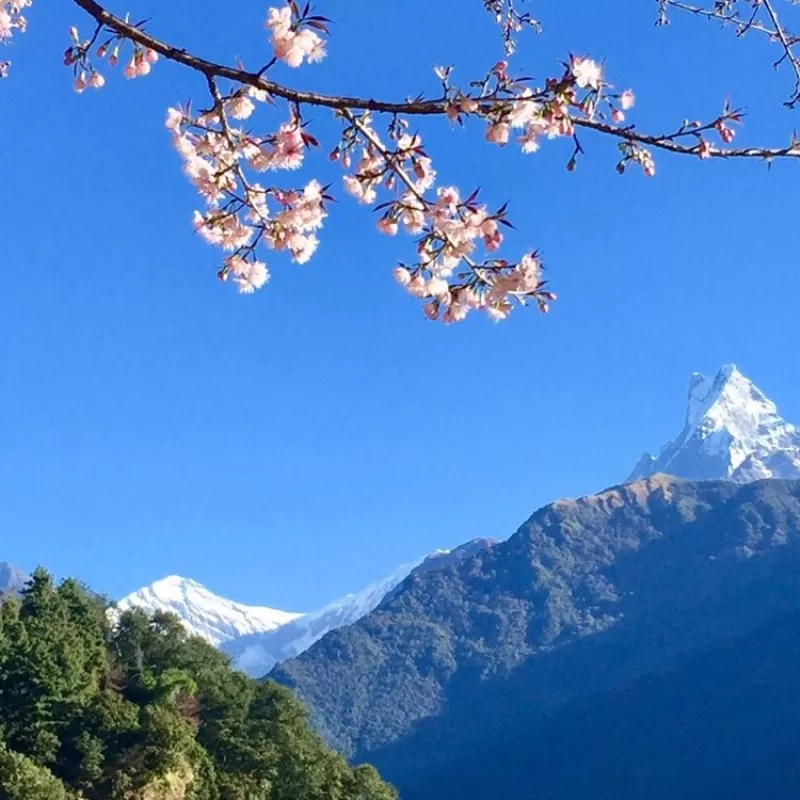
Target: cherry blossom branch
x,y
244,218
449,228
725,12
629,134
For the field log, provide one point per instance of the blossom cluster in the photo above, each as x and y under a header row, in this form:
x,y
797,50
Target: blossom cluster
x,y
220,156
294,34
78,56
12,19
241,214
457,268
508,104
450,231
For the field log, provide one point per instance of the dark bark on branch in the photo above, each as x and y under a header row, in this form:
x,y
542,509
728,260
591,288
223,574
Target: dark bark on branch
x,y
669,142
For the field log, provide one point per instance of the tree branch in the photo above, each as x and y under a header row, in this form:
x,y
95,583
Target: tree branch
x,y
210,69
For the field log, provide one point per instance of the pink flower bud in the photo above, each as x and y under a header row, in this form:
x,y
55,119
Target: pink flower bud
x,y
142,67
73,33
113,59
617,116
80,83
627,100
68,57
101,51
130,70
96,80
431,310
151,55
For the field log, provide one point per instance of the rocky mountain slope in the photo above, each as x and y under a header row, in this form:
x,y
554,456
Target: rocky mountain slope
x,y
579,658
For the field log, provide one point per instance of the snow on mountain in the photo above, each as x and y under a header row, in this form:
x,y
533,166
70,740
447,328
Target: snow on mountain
x,y
204,613
257,654
732,431
12,580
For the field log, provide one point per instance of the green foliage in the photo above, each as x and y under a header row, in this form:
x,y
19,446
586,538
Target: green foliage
x,y
21,779
139,711
451,684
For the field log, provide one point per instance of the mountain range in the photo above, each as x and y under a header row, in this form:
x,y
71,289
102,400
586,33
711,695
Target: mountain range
x,y
256,637
731,431
642,642
609,640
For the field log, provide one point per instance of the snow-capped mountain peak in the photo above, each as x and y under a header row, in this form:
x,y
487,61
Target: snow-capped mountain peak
x,y
204,613
732,431
258,653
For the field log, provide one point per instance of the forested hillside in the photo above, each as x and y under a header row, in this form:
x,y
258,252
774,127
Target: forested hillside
x,y
140,711
639,643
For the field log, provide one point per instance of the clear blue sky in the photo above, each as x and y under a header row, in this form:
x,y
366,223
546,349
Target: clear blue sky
x,y
294,445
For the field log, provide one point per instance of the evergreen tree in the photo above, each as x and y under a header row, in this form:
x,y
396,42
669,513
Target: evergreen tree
x,y
138,710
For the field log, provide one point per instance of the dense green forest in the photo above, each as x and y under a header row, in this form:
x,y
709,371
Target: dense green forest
x,y
137,710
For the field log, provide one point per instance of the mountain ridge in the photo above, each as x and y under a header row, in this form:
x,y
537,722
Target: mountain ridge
x,y
587,597
258,637
258,653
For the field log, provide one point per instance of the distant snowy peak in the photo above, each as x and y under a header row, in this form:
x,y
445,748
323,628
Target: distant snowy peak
x,y
257,654
12,580
732,430
204,613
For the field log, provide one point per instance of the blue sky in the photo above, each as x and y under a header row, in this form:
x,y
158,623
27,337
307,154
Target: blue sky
x,y
294,445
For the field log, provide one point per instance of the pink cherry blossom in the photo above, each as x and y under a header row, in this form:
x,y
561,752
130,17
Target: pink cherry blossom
x,y
174,119
497,133
240,106
389,227
587,73
6,24
402,275
291,45
248,275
